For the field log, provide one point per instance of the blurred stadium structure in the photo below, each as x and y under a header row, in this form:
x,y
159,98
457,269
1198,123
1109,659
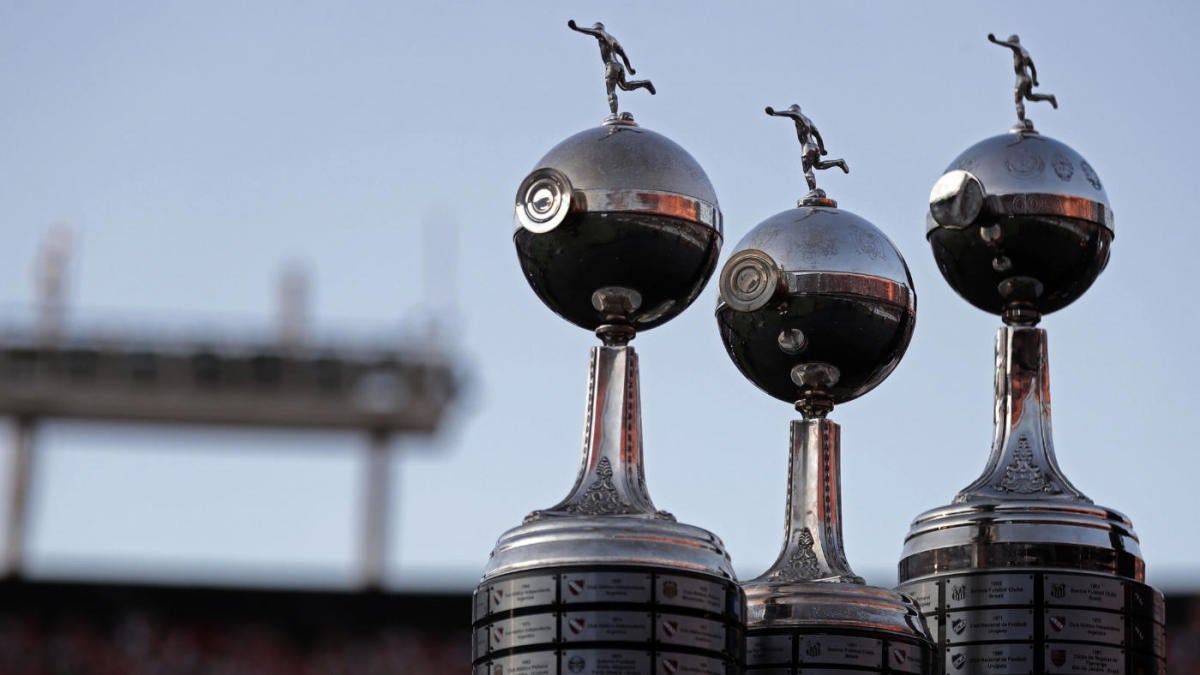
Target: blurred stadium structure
x,y
285,381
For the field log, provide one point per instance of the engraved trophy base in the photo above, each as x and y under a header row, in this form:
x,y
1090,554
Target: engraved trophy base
x,y
1023,573
603,583
801,626
809,611
624,595
1034,587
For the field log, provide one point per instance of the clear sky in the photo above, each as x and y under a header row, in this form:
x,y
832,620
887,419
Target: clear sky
x,y
196,148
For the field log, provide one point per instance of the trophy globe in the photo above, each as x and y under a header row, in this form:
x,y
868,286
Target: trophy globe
x,y
1023,572
816,308
617,231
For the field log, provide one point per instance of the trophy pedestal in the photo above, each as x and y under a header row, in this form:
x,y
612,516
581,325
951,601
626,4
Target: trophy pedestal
x,y
1023,573
603,583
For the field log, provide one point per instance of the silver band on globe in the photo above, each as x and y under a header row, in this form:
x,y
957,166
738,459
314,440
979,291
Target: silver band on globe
x,y
816,308
617,231
1023,573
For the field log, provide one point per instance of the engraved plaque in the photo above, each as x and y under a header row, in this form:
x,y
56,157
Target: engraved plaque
x,y
1084,625
522,592
781,670
480,608
762,649
605,662
1079,590
1069,659
523,630
841,650
980,590
1147,636
934,621
607,626
691,631
925,594
1145,601
989,624
1001,659
605,587
905,658
689,664
689,592
537,663
479,646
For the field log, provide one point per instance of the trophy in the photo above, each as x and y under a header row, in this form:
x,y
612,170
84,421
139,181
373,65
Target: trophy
x,y
1022,573
617,231
816,308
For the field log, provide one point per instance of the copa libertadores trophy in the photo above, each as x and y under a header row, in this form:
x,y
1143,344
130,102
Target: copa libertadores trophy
x,y
617,231
817,307
1022,573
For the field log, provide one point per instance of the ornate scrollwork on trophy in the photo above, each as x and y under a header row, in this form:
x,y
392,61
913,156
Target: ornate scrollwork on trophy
x,y
803,564
601,498
1023,476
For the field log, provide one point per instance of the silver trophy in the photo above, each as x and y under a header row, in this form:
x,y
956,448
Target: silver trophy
x,y
1022,573
817,307
617,230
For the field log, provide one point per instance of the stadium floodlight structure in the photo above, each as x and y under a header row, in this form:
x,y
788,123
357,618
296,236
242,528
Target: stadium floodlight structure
x,y
289,384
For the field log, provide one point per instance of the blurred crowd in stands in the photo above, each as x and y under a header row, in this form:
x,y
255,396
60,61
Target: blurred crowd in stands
x,y
140,644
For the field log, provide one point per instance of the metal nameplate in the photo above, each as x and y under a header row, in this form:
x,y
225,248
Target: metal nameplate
x,y
521,631
1079,590
522,592
1147,636
1001,659
981,590
691,631
840,650
836,671
925,594
978,625
1070,659
905,658
781,670
537,663
606,587
1145,601
934,622
479,645
764,649
479,608
690,664
607,626
691,592
1084,625
604,662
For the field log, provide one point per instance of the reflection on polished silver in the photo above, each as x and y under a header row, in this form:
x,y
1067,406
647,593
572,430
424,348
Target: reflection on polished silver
x,y
611,478
1022,572
812,149
617,231
811,269
816,308
1020,205
1027,79
615,64
636,211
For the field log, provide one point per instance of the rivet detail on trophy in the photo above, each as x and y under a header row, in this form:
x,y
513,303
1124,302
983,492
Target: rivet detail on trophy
x,y
617,230
816,308
1022,573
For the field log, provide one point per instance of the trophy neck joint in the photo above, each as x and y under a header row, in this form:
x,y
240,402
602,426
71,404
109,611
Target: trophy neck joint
x,y
813,547
611,479
1022,464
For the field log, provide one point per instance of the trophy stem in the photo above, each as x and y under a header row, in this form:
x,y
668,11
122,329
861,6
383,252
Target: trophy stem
x,y
612,479
1022,463
812,548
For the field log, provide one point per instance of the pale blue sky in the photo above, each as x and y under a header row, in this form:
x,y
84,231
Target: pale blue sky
x,y
196,148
